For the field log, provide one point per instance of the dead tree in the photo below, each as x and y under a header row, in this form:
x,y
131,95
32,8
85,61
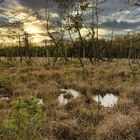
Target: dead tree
x,y
47,8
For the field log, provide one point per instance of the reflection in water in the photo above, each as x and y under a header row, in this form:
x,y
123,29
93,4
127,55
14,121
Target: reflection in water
x,y
40,102
5,98
72,92
109,100
63,100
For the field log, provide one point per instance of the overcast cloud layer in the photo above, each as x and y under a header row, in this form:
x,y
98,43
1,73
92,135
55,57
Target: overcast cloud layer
x,y
111,13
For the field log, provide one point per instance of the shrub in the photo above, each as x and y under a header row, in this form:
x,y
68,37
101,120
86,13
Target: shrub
x,y
25,120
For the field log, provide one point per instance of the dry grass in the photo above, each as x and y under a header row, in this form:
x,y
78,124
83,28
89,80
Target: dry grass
x,y
80,119
119,127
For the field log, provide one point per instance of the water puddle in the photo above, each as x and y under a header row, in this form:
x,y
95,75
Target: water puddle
x,y
40,102
72,92
66,95
109,100
5,98
62,100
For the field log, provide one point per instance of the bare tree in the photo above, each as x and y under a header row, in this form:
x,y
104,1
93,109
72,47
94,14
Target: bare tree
x,y
75,15
47,6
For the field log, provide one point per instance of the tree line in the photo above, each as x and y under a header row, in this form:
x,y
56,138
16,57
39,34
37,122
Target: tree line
x,y
127,46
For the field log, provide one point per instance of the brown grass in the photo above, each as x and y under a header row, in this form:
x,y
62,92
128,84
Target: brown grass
x,y
80,119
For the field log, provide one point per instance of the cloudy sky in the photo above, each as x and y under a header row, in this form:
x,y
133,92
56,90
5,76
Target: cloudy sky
x,y
111,16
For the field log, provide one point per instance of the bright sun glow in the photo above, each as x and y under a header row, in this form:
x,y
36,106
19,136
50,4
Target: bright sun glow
x,y
31,29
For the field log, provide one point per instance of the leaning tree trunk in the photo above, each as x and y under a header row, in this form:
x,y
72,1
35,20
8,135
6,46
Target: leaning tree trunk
x,y
79,57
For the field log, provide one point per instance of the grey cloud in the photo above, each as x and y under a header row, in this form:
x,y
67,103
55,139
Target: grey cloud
x,y
120,25
35,4
1,1
111,6
107,11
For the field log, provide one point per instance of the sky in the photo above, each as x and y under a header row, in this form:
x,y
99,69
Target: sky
x,y
111,16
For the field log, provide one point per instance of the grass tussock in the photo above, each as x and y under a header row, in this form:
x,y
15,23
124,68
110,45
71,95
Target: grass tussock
x,y
81,118
119,127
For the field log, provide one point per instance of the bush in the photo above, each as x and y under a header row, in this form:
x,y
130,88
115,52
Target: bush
x,y
25,120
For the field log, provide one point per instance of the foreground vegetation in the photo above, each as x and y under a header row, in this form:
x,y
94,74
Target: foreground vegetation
x,y
35,72
23,118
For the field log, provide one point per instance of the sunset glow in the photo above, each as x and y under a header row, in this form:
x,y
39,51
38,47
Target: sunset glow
x,y
69,69
36,27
